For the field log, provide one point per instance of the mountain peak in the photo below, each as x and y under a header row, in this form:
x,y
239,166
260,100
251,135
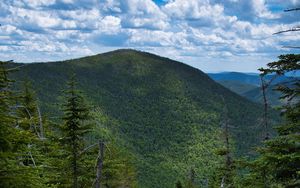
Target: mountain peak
x,y
124,51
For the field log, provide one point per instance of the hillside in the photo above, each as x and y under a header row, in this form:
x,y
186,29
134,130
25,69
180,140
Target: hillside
x,y
248,85
273,96
237,86
252,79
164,112
246,78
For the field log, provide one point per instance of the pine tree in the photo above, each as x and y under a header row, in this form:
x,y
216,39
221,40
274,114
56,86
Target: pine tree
x,y
27,109
279,161
76,114
282,153
6,129
17,167
41,148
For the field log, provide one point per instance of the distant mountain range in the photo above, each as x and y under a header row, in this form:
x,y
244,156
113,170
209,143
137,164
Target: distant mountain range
x,y
248,85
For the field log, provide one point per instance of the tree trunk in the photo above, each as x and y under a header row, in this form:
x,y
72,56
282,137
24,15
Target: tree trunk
x,y
100,164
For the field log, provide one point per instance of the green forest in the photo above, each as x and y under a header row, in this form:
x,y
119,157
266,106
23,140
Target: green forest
x,y
128,118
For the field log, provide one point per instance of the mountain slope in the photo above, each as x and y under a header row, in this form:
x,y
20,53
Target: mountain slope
x,y
252,79
248,85
247,78
256,95
165,112
237,86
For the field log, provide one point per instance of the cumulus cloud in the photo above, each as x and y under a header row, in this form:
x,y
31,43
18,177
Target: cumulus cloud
x,y
189,30
260,9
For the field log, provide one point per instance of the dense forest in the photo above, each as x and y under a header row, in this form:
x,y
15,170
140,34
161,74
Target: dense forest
x,y
249,85
133,119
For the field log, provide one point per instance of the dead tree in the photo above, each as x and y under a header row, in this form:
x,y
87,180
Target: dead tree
x,y
264,86
226,179
100,164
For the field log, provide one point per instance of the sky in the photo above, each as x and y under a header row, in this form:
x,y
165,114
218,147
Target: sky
x,y
212,35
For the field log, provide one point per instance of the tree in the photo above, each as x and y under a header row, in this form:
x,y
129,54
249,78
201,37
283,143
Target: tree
x,y
6,129
282,153
27,108
41,147
227,169
17,166
76,114
279,160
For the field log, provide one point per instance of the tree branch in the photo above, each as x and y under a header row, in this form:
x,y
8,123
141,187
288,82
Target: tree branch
x,y
295,47
288,30
292,9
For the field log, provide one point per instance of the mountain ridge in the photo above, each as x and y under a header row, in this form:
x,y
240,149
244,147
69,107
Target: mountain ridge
x,y
145,98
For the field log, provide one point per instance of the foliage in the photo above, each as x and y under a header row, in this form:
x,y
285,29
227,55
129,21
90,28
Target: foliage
x,y
165,113
18,167
279,162
74,127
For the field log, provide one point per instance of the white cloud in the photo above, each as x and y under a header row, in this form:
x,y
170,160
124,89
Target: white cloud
x,y
110,25
137,13
189,30
33,3
259,7
193,9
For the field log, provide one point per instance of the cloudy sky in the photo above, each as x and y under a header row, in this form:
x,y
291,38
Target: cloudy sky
x,y
212,35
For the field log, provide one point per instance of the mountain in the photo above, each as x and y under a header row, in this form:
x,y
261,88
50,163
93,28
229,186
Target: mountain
x,y
166,113
237,86
252,78
273,97
247,78
248,85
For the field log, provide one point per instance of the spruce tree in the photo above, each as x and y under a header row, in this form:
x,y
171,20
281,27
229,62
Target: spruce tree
x,y
6,129
76,114
282,153
279,161
17,166
40,144
27,108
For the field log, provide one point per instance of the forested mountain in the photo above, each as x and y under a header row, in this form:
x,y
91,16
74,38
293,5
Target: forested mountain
x,y
237,86
248,85
273,96
246,78
165,113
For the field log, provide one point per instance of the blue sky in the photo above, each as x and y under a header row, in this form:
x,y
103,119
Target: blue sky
x,y
212,35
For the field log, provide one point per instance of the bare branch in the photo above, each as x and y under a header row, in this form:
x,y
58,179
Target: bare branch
x,y
87,148
30,118
41,123
295,47
31,157
292,9
288,30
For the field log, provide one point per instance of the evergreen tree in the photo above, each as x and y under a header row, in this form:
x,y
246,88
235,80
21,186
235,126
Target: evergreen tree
x,y
17,166
279,161
41,147
282,153
27,109
6,130
76,114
